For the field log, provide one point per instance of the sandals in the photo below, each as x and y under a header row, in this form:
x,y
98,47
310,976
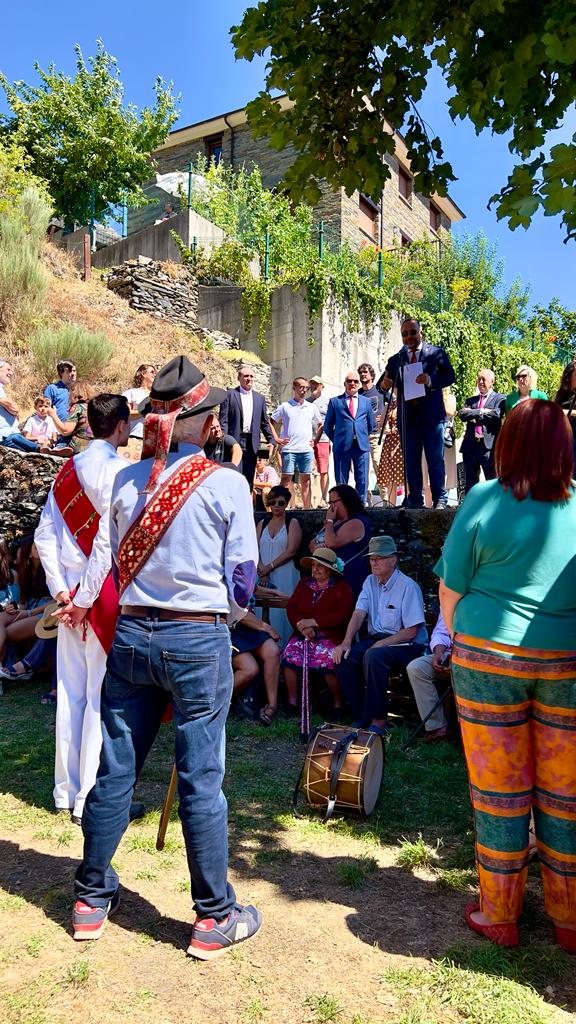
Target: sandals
x,y
9,673
267,714
48,698
501,934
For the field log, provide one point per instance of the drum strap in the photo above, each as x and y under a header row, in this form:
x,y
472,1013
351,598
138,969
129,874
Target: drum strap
x,y
336,763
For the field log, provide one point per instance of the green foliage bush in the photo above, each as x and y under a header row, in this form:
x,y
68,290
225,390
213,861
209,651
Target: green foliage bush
x,y
89,352
22,279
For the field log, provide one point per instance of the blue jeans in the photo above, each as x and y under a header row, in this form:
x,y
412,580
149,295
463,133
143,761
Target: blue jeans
x,y
301,461
420,435
20,443
152,664
39,654
364,674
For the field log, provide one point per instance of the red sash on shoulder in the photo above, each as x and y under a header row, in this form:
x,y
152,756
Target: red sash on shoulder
x,y
83,520
147,530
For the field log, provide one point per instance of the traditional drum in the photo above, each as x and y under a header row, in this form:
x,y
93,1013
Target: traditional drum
x,y
342,770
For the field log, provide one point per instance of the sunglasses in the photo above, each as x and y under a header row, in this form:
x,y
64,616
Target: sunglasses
x,y
280,503
521,376
352,381
411,333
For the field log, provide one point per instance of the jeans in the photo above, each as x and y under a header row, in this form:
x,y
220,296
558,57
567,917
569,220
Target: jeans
x,y
364,674
154,663
418,435
20,443
39,654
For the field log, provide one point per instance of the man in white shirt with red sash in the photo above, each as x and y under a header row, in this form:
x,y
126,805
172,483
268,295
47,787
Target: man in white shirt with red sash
x,y
184,544
74,546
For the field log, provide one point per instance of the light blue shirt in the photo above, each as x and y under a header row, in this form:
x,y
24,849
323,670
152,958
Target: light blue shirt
x,y
206,559
8,421
394,605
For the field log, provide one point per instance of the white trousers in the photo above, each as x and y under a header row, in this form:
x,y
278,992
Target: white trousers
x,y
421,676
81,665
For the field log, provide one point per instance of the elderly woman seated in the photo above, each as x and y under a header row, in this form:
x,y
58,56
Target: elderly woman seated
x,y
319,612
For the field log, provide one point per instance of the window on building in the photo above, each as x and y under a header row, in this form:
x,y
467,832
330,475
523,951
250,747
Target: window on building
x,y
367,216
405,240
405,185
214,148
435,218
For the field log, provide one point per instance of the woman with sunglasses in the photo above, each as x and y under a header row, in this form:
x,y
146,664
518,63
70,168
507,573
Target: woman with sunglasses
x,y
278,542
346,531
526,380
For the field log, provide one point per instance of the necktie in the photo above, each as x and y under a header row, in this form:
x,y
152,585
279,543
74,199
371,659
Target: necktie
x,y
351,406
478,430
414,357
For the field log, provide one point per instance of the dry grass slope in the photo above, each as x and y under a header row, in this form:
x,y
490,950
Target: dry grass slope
x,y
137,338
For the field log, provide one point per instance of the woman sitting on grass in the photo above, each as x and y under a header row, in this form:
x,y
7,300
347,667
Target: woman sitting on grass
x,y
507,594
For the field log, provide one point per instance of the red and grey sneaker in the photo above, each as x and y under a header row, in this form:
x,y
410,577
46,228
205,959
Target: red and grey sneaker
x,y
211,938
88,922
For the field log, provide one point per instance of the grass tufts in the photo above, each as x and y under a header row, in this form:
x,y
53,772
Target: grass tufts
x,y
325,1009
417,853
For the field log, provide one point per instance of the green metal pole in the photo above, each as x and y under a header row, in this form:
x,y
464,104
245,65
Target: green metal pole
x,y
380,268
321,239
266,256
190,166
92,208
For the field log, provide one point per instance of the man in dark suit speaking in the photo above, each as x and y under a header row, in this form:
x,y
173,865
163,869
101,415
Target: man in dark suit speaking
x,y
482,415
421,419
349,423
243,415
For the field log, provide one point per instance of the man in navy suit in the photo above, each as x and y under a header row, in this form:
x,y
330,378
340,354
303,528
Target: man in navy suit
x,y
421,420
243,415
482,415
349,423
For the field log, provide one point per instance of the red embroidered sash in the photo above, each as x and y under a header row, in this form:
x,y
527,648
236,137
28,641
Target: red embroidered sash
x,y
83,520
147,530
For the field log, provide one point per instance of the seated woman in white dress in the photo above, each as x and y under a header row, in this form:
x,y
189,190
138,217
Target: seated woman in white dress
x,y
278,542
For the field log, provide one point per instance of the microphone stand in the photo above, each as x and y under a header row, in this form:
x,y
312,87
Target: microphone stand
x,y
402,360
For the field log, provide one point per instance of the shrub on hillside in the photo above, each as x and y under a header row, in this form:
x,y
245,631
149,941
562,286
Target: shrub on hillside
x,y
89,352
22,280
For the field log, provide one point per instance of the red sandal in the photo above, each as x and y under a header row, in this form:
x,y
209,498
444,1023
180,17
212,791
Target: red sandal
x,y
566,938
501,934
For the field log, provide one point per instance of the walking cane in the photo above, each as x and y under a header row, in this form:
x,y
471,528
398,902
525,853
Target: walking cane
x,y
166,809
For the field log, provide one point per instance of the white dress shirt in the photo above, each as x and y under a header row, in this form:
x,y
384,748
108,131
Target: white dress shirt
x,y
206,560
247,400
62,559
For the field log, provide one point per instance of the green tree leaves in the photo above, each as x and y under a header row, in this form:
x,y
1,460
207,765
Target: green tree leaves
x,y
349,67
81,137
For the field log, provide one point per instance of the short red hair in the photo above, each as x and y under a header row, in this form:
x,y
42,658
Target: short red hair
x,y
534,454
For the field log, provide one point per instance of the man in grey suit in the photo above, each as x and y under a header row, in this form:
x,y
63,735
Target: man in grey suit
x,y
243,415
482,414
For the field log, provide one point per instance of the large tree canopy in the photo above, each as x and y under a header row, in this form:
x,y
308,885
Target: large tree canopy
x,y
80,136
348,65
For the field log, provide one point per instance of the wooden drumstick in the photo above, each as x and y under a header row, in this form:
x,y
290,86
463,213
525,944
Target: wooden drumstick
x,y
166,809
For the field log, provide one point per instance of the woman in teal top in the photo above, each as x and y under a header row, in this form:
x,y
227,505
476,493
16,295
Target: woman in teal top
x,y
526,380
508,594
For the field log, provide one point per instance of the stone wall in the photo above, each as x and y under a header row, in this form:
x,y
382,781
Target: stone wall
x,y
24,484
411,218
147,287
156,240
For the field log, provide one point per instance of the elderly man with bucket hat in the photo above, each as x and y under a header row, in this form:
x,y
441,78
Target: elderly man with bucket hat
x,y
184,545
391,605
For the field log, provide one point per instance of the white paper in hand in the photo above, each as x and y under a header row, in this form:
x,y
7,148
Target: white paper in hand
x,y
411,388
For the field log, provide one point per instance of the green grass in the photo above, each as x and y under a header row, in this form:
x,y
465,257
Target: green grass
x,y
355,873
325,1009
473,995
417,853
78,974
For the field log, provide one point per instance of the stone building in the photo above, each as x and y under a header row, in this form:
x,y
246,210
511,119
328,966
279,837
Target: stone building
x,y
402,216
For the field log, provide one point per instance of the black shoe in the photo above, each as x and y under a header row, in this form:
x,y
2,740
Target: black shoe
x,y
76,819
137,810
441,504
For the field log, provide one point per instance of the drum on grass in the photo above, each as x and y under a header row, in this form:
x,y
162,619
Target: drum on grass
x,y
342,770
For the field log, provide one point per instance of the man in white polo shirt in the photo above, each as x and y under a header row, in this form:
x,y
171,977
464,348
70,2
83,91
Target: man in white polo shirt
x,y
299,420
393,606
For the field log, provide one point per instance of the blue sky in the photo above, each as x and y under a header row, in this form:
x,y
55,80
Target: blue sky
x,y
190,46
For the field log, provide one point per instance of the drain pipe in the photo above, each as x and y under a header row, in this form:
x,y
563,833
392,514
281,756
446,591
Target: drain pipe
x,y
227,122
